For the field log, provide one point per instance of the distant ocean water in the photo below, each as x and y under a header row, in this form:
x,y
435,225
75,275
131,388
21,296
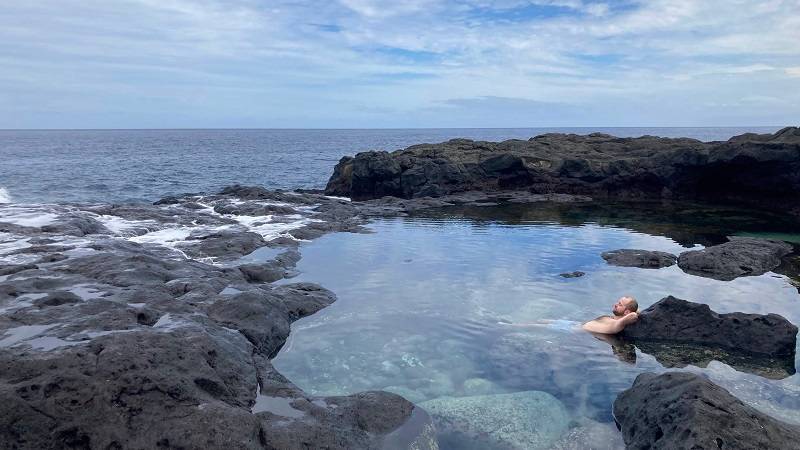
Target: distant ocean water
x,y
54,166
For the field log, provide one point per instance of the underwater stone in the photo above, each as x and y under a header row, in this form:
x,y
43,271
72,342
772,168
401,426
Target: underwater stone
x,y
522,420
481,386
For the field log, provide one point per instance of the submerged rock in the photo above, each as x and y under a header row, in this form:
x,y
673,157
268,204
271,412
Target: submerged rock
x,y
522,420
741,256
675,320
576,274
685,410
679,355
645,259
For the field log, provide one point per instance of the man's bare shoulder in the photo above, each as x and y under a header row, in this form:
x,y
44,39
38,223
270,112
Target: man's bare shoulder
x,y
602,319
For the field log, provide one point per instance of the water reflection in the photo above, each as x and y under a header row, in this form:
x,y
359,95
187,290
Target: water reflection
x,y
680,355
425,302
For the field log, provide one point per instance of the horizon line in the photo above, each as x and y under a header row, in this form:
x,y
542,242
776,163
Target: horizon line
x,y
389,128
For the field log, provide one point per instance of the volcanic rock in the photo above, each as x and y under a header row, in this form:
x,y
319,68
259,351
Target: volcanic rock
x,y
685,410
741,256
645,259
761,169
675,320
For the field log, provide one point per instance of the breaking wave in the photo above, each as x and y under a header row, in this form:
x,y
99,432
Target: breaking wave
x,y
5,197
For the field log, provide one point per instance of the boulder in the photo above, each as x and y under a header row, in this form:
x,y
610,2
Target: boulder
x,y
522,420
741,256
223,244
645,259
684,410
675,320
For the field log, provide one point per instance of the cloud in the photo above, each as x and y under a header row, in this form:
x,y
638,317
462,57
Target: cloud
x,y
377,63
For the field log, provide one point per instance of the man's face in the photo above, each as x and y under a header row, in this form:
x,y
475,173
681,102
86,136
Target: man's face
x,y
621,307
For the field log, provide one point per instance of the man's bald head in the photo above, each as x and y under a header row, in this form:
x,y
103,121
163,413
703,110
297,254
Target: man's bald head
x,y
625,305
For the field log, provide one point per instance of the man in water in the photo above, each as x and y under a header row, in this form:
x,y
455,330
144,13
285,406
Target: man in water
x,y
625,313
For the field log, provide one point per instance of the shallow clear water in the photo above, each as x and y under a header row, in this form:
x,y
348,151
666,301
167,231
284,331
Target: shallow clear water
x,y
424,306
45,166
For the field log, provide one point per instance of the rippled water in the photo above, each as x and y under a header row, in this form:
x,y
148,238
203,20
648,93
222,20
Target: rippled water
x,y
424,306
145,165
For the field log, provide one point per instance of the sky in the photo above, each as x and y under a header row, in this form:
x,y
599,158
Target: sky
x,y
398,64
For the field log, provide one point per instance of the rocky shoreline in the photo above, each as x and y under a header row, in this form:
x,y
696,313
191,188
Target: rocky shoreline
x,y
142,326
759,170
117,319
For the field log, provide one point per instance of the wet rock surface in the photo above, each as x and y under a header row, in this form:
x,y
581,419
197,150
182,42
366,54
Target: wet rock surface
x,y
120,319
741,256
754,168
575,274
685,410
645,259
675,320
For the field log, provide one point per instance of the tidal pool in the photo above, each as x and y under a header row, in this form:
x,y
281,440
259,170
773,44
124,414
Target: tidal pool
x,y
431,306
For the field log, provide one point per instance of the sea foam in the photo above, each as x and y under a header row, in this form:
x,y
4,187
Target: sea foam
x,y
5,197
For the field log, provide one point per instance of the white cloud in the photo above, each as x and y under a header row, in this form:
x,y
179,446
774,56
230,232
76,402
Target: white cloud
x,y
316,59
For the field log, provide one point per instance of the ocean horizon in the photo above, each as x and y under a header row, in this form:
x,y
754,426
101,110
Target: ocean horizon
x,y
144,165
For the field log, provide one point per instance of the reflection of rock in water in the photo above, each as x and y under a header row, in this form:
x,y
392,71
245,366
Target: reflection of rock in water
x,y
679,355
522,420
672,355
685,223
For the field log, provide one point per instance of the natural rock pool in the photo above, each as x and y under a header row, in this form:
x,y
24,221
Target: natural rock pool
x,y
430,307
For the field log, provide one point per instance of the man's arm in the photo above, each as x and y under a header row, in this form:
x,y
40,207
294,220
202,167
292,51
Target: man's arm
x,y
610,326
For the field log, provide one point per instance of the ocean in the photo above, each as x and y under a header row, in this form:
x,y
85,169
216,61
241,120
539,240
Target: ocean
x,y
119,166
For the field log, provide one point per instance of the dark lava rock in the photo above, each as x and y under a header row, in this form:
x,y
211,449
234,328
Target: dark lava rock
x,y
56,299
76,226
762,169
223,244
11,269
644,259
741,256
128,345
262,273
575,274
684,410
675,320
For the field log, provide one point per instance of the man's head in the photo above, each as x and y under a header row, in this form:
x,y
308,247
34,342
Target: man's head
x,y
625,305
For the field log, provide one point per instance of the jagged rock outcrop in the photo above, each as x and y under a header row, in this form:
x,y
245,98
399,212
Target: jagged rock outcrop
x,y
645,259
752,168
675,320
684,410
741,256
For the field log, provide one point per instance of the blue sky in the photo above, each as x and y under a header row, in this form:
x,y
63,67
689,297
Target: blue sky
x,y
414,63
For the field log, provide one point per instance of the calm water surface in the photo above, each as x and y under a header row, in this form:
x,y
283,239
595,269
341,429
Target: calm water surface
x,y
424,306
146,165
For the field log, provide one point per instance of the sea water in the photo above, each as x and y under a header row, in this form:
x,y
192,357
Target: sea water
x,y
442,308
44,166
